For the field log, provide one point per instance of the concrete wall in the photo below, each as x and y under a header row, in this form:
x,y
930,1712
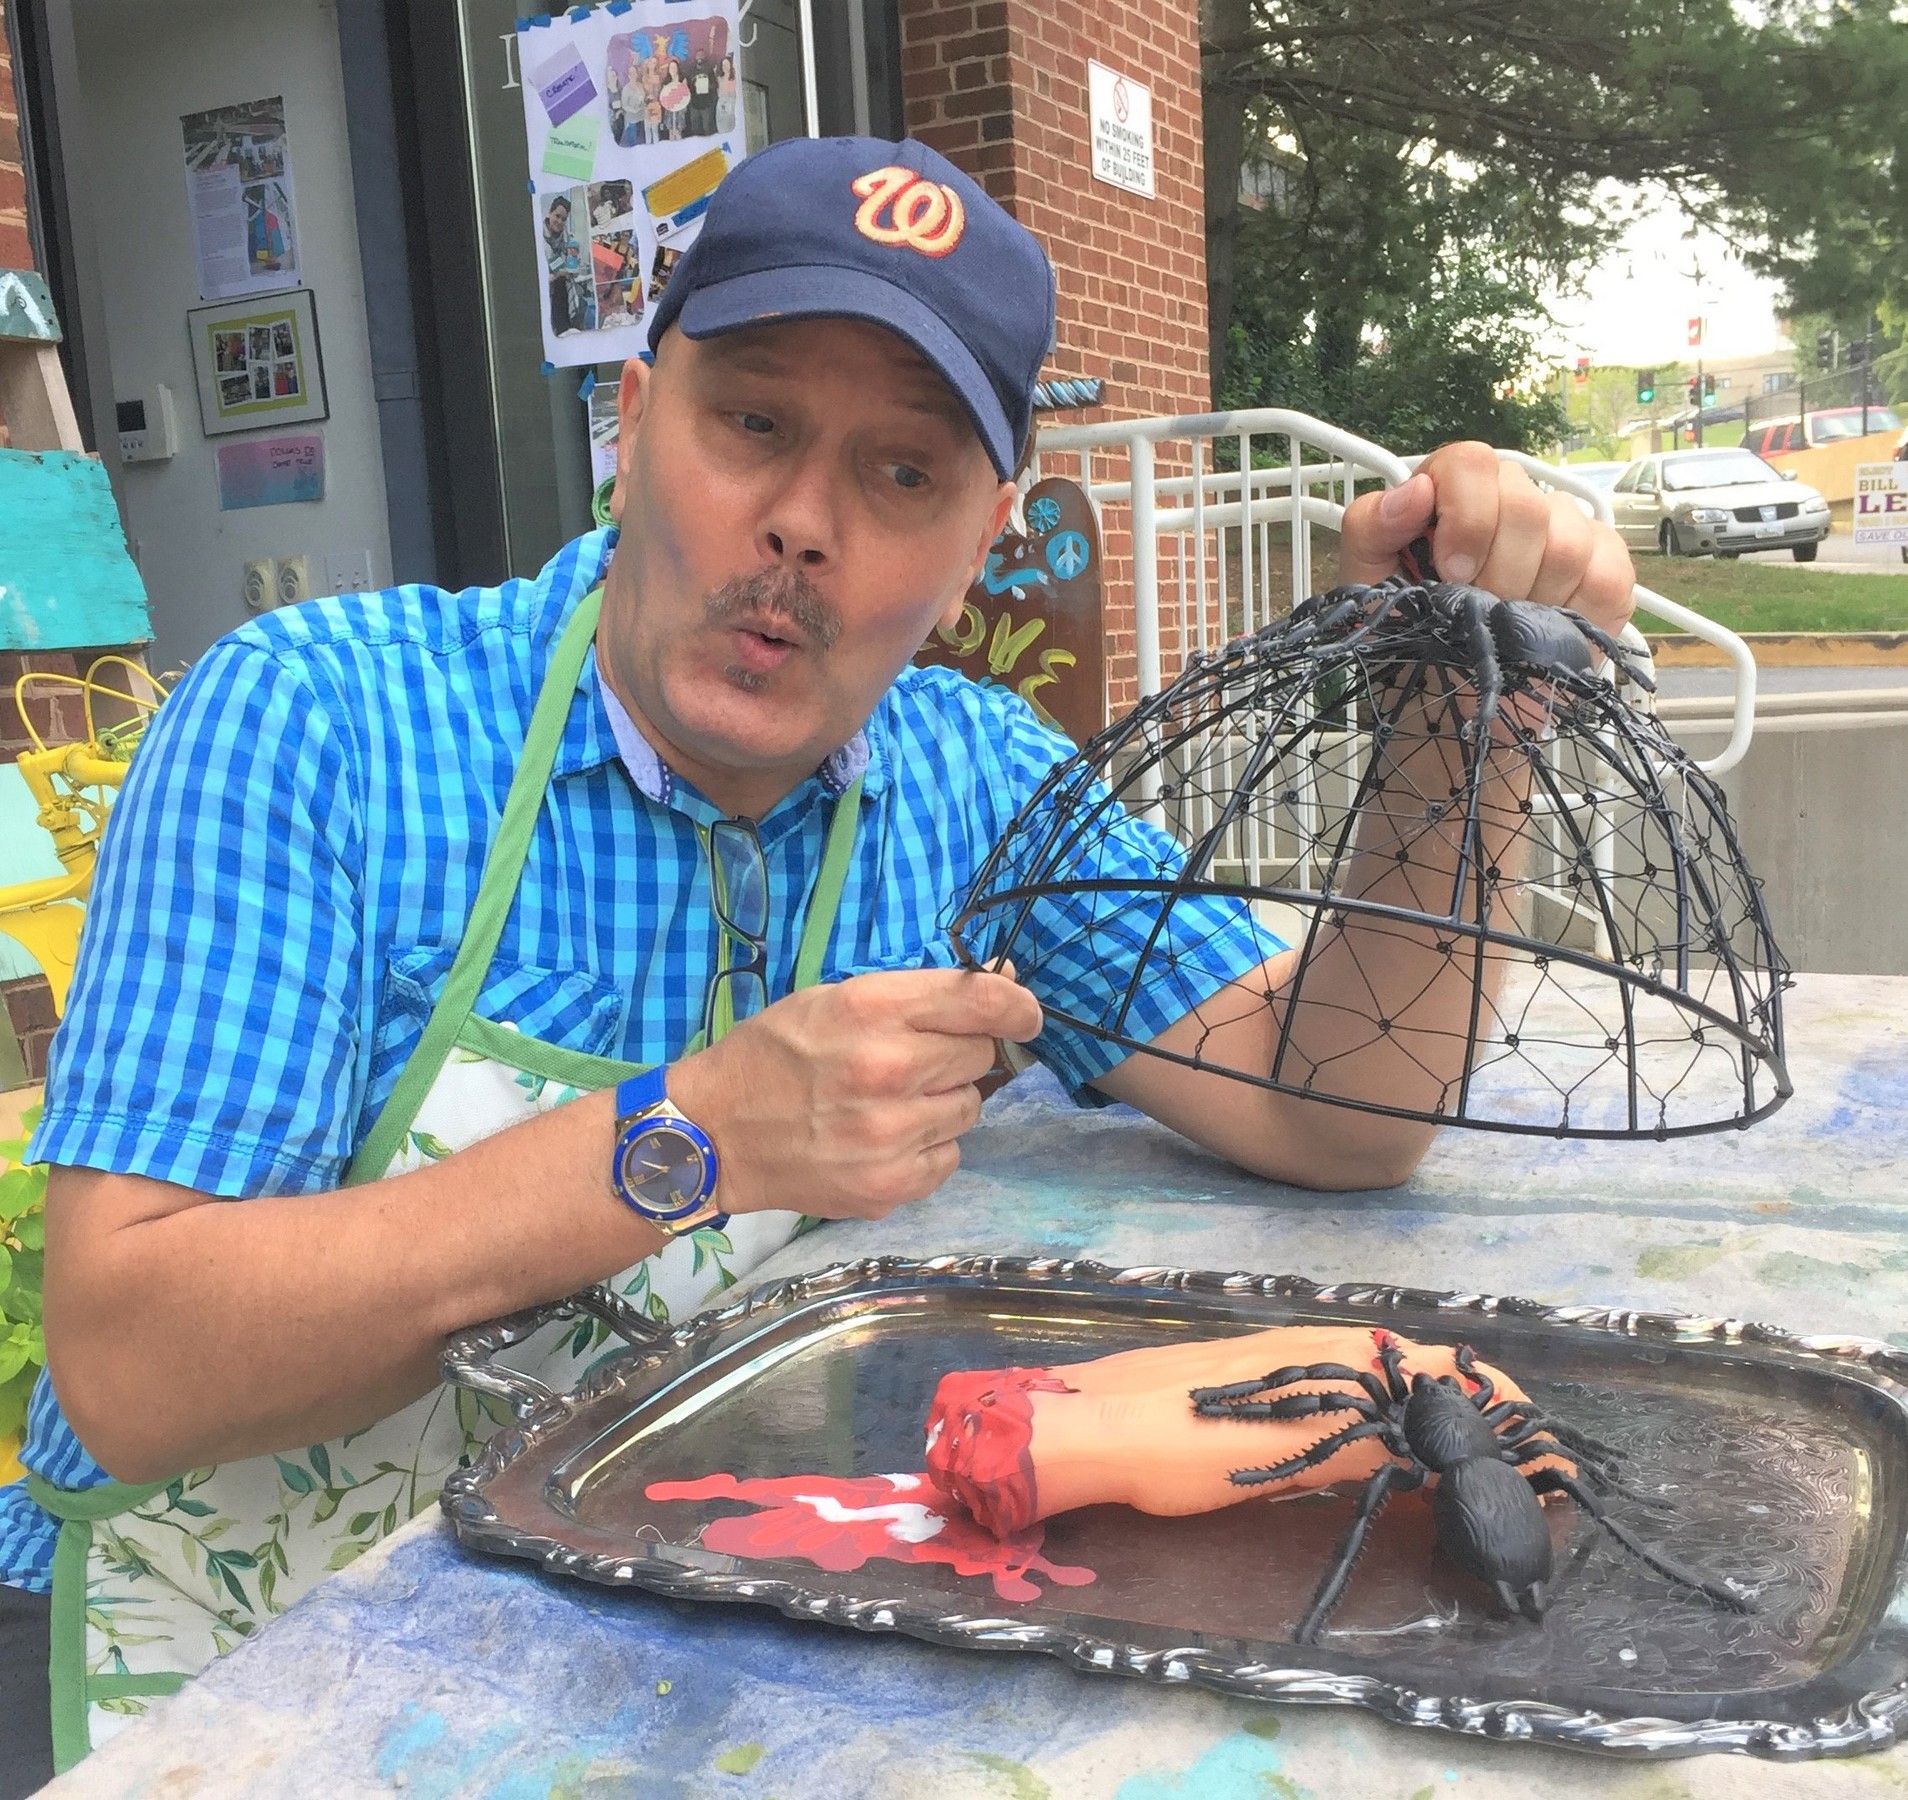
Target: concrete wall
x,y
1821,802
141,67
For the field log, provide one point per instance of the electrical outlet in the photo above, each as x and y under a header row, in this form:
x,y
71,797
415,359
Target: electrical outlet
x,y
261,586
294,580
349,572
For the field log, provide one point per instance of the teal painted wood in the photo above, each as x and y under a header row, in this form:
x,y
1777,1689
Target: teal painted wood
x,y
26,308
66,580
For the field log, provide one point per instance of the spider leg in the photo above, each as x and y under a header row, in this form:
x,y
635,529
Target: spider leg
x,y
1610,648
1321,1452
1370,1504
1246,1390
1490,675
1293,1406
1720,1592
1535,1420
1600,1475
1483,1390
1391,1360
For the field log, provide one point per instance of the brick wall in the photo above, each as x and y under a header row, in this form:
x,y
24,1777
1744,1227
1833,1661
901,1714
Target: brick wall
x,y
1000,88
16,252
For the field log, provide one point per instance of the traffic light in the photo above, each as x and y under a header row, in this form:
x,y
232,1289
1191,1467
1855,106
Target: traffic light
x,y
1857,352
1695,392
1709,390
1825,349
1583,370
1646,387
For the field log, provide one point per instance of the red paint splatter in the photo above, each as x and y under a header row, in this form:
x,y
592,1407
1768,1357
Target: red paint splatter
x,y
838,1524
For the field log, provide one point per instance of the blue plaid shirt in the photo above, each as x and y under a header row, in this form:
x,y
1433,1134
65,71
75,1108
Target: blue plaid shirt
x,y
300,839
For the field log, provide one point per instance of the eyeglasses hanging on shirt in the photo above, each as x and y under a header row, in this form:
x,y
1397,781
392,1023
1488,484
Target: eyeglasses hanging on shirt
x,y
739,881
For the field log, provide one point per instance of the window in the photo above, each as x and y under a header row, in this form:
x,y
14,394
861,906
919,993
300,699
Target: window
x,y
1626,482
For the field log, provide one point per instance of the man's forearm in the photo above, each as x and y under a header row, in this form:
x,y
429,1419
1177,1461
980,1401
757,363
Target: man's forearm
x,y
184,1330
1385,1009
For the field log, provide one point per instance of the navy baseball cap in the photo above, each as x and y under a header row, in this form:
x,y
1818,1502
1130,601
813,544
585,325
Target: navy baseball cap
x,y
860,228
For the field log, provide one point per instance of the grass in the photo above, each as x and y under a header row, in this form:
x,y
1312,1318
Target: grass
x,y
1749,596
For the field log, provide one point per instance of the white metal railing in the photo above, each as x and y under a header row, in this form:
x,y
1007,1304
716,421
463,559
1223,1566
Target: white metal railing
x,y
1218,554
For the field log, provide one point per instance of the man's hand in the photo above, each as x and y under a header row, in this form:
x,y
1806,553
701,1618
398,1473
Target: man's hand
x,y
846,1101
1495,530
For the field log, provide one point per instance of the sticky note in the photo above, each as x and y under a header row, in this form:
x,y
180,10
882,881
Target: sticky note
x,y
563,84
570,150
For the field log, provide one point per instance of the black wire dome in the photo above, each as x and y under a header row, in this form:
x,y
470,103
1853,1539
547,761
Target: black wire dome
x,y
1411,784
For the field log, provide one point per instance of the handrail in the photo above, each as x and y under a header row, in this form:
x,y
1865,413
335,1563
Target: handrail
x,y
1140,437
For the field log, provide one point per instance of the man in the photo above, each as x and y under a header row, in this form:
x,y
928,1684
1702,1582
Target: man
x,y
649,861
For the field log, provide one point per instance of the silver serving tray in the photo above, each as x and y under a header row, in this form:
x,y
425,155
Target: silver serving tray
x,y
1784,1460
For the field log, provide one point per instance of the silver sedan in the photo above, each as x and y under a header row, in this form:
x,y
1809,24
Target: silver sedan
x,y
1716,503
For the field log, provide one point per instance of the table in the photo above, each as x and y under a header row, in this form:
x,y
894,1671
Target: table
x,y
427,1671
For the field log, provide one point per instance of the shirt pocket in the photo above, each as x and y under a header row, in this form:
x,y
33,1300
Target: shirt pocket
x,y
574,1008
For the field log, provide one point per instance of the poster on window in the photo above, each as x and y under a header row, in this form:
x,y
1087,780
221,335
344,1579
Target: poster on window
x,y
632,114
239,191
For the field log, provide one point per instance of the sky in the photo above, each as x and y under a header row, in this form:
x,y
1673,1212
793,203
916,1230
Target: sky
x,y
1637,302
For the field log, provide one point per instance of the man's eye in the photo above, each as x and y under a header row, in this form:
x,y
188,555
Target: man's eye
x,y
906,475
758,423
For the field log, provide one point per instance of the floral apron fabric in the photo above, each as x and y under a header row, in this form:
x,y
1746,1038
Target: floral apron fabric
x,y
151,1582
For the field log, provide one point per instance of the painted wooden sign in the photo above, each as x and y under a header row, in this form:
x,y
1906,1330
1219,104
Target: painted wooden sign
x,y
66,579
1033,622
26,308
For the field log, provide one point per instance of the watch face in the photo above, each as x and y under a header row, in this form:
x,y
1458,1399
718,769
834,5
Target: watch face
x,y
666,1170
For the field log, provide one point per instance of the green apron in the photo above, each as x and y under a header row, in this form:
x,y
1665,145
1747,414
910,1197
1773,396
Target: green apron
x,y
152,1581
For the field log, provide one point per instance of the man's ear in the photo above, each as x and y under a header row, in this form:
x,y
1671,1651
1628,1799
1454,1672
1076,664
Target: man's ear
x,y
996,524
632,396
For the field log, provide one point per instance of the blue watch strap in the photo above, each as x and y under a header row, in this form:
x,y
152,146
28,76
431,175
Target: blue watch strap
x,y
640,1092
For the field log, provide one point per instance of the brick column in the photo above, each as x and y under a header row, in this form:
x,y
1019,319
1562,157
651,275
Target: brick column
x,y
1000,88
16,250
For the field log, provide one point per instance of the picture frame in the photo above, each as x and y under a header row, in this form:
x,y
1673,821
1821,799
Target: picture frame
x,y
257,361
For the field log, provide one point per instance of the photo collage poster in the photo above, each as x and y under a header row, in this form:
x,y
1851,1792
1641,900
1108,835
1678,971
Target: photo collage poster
x,y
633,117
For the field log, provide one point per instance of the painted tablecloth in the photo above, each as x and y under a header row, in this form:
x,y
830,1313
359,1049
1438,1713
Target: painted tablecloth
x,y
431,1672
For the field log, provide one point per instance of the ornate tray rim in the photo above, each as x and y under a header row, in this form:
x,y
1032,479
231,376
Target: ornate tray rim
x,y
1875,1721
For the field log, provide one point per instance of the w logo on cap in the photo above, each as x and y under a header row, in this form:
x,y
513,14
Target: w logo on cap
x,y
900,207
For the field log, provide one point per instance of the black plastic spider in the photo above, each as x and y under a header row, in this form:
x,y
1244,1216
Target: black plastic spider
x,y
1487,1513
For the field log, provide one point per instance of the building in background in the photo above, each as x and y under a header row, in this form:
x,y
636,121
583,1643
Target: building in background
x,y
448,453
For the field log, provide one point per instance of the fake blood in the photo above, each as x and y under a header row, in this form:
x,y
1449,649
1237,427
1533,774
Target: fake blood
x,y
838,1524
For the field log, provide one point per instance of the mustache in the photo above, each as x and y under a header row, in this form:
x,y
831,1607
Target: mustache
x,y
777,594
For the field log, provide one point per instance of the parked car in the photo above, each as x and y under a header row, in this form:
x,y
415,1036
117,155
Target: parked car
x,y
1717,503
1828,426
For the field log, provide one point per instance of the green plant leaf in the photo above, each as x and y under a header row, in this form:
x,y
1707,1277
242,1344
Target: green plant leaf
x,y
22,1190
328,1503
30,1231
427,1145
297,1479
197,1508
321,1461
362,1522
344,1554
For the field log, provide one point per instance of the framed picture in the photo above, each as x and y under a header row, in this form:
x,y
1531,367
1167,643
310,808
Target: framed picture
x,y
257,362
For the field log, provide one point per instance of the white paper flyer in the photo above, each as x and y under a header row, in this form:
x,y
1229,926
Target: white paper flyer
x,y
239,190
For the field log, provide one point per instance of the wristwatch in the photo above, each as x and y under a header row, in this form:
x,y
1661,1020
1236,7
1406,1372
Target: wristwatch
x,y
665,1168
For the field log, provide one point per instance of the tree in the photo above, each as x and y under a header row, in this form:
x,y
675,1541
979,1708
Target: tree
x,y
1409,155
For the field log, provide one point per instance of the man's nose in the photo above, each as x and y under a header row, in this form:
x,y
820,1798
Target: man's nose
x,y
799,525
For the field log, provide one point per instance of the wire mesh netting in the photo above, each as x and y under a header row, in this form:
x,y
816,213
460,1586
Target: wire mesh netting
x,y
1514,901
